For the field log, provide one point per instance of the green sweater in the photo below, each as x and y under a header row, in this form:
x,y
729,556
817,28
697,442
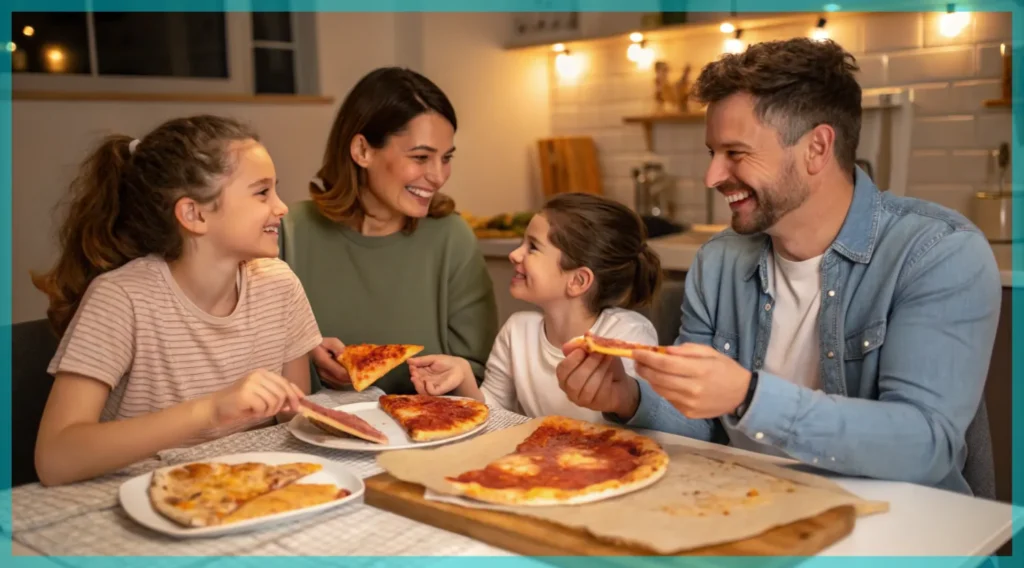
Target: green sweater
x,y
429,288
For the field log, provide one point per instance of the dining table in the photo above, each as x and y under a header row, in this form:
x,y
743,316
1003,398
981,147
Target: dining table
x,y
86,518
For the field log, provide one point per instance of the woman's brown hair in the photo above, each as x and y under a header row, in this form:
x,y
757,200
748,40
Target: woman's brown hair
x,y
380,105
122,202
609,239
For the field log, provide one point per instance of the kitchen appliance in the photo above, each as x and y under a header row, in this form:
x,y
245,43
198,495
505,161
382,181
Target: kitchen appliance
x,y
569,164
993,210
653,199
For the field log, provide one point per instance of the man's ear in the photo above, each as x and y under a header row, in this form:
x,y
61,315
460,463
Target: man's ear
x,y
580,282
190,215
362,152
820,147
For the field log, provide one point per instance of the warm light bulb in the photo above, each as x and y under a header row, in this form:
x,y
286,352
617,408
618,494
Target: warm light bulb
x,y
29,31
733,45
636,37
634,52
819,34
558,47
727,28
55,55
11,46
952,23
568,66
646,58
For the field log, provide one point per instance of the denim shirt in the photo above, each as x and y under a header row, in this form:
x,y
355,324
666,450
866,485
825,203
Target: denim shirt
x,y
910,302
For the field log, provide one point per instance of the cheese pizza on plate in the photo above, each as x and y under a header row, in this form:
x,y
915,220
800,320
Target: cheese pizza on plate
x,y
209,494
566,461
367,363
427,418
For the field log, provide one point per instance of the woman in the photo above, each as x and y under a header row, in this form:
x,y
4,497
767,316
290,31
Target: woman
x,y
378,250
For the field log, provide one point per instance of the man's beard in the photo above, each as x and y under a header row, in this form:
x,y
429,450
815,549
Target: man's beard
x,y
774,200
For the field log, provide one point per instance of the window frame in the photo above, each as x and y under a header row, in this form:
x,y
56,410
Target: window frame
x,y
241,55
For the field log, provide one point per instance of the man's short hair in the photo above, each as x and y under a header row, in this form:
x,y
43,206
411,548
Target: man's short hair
x,y
797,84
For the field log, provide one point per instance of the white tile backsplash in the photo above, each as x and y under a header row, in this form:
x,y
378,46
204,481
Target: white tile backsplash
x,y
951,79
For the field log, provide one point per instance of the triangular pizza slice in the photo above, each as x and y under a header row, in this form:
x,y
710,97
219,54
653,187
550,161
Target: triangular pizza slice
x,y
339,423
366,363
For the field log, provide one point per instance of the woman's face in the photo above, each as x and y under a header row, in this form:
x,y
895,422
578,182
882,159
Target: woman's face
x,y
412,166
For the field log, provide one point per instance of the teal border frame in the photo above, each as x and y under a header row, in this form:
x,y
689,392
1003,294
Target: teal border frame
x,y
1016,7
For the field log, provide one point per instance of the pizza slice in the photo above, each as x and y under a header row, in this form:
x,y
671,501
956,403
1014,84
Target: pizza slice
x,y
566,461
615,347
366,363
340,423
427,418
203,494
290,498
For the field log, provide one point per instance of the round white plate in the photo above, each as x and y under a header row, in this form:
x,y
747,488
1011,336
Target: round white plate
x,y
371,412
134,496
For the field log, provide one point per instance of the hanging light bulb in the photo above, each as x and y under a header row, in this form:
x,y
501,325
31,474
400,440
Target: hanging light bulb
x,y
568,65
734,44
952,22
727,28
819,33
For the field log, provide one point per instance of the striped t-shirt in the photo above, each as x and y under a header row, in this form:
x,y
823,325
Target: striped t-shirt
x,y
136,331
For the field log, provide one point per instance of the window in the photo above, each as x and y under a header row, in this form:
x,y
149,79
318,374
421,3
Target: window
x,y
232,52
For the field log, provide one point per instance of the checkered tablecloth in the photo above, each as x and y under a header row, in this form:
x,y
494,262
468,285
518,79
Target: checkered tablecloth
x,y
85,519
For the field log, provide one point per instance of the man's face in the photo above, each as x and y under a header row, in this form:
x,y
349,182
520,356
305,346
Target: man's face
x,y
750,167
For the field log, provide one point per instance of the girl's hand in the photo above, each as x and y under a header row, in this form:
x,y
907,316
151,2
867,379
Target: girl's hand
x,y
261,394
332,373
436,375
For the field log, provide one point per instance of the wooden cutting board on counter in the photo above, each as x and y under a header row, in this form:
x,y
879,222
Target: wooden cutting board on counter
x,y
569,164
536,537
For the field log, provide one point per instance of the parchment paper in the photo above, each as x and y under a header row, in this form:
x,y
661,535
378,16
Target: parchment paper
x,y
705,498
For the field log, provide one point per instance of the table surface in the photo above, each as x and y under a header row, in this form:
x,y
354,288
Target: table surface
x,y
86,519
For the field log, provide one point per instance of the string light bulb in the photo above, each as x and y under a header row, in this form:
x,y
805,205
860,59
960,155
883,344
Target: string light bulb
x,y
952,22
819,33
727,28
638,52
567,64
734,44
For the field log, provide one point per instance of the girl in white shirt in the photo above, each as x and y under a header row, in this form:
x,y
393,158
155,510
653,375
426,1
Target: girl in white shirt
x,y
585,263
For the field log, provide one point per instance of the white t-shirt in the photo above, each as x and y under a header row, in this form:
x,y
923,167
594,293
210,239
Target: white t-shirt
x,y
793,352
520,374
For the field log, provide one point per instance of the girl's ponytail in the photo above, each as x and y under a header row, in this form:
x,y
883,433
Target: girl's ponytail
x,y
90,241
647,281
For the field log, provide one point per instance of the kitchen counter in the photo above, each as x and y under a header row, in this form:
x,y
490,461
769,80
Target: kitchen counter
x,y
678,251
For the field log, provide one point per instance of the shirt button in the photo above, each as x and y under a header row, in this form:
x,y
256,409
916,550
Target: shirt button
x,y
767,307
831,355
831,293
726,346
759,435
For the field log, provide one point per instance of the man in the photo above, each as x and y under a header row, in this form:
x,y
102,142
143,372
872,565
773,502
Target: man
x,y
834,324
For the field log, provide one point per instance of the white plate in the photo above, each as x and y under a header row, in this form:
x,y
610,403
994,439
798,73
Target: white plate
x,y
371,412
134,495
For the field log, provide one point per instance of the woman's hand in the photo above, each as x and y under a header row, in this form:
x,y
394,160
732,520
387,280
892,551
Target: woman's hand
x,y
325,357
261,394
436,375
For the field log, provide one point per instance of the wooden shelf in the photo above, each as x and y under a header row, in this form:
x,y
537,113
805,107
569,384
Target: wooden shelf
x,y
648,122
97,96
998,103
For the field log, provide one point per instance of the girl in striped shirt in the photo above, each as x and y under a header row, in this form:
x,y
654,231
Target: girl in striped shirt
x,y
178,323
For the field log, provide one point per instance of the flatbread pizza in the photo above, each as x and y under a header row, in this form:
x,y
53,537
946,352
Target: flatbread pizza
x,y
367,363
426,418
209,494
614,347
566,461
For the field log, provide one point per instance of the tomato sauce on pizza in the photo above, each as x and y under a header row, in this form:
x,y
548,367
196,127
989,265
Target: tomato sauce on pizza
x,y
427,417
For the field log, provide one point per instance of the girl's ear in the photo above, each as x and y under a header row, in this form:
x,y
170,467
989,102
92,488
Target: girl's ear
x,y
190,216
361,151
580,281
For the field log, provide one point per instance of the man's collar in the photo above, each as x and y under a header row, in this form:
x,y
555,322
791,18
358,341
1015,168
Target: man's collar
x,y
856,238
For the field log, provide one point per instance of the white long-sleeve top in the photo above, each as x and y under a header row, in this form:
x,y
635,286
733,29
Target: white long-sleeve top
x,y
520,374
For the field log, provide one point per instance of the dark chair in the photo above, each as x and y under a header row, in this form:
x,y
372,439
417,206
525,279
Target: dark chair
x,y
979,469
32,346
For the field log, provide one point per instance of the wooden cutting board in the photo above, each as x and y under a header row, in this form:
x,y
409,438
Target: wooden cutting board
x,y
536,537
569,164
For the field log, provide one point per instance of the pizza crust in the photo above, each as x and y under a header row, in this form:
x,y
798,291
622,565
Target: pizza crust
x,y
616,347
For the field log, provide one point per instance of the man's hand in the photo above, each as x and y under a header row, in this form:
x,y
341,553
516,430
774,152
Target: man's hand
x,y
597,382
330,370
696,379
